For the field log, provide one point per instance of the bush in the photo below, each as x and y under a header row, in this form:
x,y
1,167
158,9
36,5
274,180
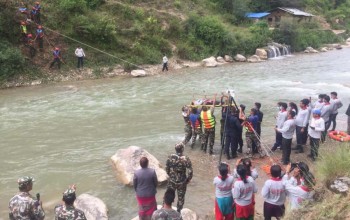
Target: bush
x,y
77,6
11,61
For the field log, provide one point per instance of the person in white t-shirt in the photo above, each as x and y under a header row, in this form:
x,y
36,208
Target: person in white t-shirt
x,y
165,63
79,52
316,127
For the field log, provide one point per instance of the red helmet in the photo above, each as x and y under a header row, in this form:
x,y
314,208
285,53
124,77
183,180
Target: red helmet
x,y
37,3
56,48
39,26
29,35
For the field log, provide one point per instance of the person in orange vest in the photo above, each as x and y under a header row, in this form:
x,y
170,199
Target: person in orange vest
x,y
56,58
23,29
30,45
40,36
208,122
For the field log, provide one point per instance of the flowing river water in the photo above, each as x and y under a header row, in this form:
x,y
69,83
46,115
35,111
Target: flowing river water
x,y
66,133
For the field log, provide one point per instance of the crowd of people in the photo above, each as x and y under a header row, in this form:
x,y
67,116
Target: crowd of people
x,y
30,21
310,121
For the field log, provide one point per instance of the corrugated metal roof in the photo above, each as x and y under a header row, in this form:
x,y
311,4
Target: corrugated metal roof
x,y
295,11
256,15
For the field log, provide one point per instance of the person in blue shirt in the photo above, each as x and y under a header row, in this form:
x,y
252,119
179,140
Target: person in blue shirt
x,y
56,58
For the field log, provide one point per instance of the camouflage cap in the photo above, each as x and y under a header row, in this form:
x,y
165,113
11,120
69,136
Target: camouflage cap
x,y
69,193
179,147
25,180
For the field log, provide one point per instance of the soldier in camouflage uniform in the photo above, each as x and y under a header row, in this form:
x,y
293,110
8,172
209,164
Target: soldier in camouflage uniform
x,y
68,211
167,212
24,206
179,169
188,128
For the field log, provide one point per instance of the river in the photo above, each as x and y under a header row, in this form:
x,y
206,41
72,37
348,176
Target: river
x,y
65,133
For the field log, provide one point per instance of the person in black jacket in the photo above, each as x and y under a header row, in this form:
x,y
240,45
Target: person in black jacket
x,y
260,115
232,131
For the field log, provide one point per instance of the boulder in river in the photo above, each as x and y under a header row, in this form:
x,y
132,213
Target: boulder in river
x,y
228,58
138,73
127,161
186,214
93,207
310,50
220,59
240,58
209,62
261,53
324,49
254,59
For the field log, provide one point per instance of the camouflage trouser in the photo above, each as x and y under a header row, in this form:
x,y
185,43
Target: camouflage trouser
x,y
195,132
181,192
251,138
209,133
188,134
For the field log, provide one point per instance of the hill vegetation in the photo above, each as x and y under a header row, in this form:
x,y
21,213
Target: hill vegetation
x,y
141,31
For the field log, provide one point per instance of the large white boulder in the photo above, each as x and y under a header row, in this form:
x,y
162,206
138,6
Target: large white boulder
x,y
310,50
254,59
209,62
186,214
93,208
220,59
324,49
261,53
240,58
138,73
126,161
228,58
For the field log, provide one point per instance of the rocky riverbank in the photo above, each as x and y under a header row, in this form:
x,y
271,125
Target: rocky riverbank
x,y
175,64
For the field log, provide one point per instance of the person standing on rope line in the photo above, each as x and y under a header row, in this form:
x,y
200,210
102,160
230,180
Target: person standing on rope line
x,y
56,58
165,63
188,128
250,125
280,119
79,52
260,114
23,29
336,104
208,122
40,36
196,125
30,45
37,6
179,169
287,132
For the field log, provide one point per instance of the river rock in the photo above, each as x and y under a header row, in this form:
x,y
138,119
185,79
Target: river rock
x,y
261,53
209,62
126,161
324,49
240,58
220,59
310,50
254,59
93,207
186,214
228,58
138,73
340,185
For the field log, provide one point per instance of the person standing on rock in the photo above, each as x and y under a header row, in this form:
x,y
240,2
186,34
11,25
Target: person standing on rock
x,y
179,169
79,52
24,205
165,63
145,183
67,211
167,212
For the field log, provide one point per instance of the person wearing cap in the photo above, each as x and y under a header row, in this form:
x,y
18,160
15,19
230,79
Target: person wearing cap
x,y
167,212
56,58
179,169
24,205
67,211
145,183
40,36
37,6
316,127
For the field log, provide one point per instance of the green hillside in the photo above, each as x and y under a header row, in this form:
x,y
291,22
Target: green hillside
x,y
141,31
